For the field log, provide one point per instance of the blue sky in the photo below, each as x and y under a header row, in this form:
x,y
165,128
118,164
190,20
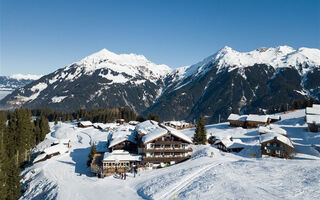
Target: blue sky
x,y
38,37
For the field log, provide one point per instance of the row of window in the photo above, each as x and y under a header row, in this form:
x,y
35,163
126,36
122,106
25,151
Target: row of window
x,y
276,151
152,145
274,144
120,164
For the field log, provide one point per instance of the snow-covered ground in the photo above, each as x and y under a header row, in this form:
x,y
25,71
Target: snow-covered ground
x,y
222,176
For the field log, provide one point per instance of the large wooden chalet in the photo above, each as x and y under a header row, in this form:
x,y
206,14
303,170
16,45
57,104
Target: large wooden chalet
x,y
84,124
273,144
159,144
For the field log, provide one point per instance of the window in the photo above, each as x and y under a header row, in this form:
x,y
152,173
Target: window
x,y
171,154
277,151
268,151
268,144
152,145
152,154
162,153
274,144
183,145
162,146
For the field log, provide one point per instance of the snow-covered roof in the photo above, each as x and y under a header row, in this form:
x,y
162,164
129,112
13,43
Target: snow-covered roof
x,y
55,149
275,117
317,106
272,129
178,134
313,119
154,133
227,142
270,136
236,117
122,133
177,123
86,123
146,126
134,122
64,140
258,118
120,155
39,157
313,110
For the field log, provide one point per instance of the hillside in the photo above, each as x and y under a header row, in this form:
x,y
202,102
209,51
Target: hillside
x,y
223,176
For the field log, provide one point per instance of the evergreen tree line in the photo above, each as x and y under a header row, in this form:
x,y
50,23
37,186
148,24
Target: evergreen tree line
x,y
295,104
19,133
99,115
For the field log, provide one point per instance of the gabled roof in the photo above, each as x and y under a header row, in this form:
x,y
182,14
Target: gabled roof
x,y
258,118
178,134
230,144
121,139
236,117
153,134
272,129
313,119
271,136
146,126
121,134
86,123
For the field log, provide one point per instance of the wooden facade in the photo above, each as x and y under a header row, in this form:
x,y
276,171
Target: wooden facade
x,y
256,124
276,148
126,145
313,127
165,149
237,123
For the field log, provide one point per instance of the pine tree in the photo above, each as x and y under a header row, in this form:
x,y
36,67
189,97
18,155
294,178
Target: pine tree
x,y
93,151
3,158
44,127
200,136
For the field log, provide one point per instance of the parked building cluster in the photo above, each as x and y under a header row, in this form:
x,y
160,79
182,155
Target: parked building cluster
x,y
273,140
149,144
313,117
252,121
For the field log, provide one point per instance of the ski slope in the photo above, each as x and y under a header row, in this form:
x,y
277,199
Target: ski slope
x,y
222,176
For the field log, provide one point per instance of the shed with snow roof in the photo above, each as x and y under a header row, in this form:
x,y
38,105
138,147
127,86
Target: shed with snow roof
x,y
236,120
254,121
229,144
276,145
313,122
84,124
274,118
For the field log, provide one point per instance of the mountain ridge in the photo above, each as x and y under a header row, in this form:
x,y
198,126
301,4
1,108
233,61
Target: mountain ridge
x,y
130,80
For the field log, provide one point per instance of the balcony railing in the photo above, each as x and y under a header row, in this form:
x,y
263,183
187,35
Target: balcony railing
x,y
181,150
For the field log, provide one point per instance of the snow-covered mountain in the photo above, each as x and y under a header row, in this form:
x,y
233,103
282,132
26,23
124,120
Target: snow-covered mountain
x,y
13,82
227,81
100,80
232,81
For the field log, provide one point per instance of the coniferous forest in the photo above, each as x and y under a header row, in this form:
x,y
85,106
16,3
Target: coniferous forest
x,y
19,133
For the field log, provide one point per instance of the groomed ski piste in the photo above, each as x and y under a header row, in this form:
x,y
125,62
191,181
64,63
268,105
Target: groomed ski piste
x,y
208,174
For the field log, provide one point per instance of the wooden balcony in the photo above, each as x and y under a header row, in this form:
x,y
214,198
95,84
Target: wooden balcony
x,y
178,150
167,142
177,159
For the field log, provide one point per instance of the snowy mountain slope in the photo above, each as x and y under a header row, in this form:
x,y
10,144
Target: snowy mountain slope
x,y
103,79
227,81
222,176
13,82
231,81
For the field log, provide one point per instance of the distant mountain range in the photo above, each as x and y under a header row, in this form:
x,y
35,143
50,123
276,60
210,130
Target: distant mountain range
x,y
228,81
11,83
